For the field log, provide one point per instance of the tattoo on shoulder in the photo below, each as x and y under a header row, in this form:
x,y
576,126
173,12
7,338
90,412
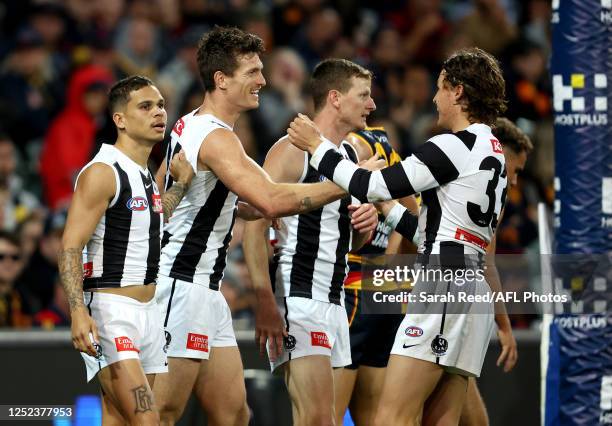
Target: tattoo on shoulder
x,y
143,399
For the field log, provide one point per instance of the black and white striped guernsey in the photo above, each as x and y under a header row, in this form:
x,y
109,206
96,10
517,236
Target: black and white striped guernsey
x,y
311,253
125,246
195,241
461,177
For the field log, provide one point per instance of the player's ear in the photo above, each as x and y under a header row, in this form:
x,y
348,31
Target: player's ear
x,y
119,120
333,97
458,91
220,80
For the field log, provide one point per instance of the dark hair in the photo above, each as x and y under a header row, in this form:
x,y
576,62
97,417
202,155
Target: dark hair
x,y
218,50
511,136
12,239
334,74
119,94
484,88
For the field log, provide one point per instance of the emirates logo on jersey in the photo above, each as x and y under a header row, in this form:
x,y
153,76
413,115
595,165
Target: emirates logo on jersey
x,y
179,126
157,203
497,147
138,204
87,269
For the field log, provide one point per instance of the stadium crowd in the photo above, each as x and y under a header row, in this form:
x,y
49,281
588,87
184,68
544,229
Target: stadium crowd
x,y
58,59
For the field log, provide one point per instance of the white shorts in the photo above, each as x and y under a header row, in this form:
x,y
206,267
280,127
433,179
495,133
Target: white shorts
x,y
195,318
314,328
456,341
127,329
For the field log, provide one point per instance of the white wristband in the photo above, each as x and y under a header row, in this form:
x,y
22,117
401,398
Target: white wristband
x,y
395,215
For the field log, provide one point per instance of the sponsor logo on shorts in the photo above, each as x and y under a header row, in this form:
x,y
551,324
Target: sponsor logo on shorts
x,y
319,338
439,345
197,342
405,346
98,349
87,269
414,331
157,203
168,337
137,204
124,343
289,342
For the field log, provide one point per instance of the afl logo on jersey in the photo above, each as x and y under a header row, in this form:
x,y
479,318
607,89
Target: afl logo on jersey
x,y
137,204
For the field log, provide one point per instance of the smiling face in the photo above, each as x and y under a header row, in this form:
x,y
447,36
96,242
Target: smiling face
x,y
242,87
356,104
446,101
144,116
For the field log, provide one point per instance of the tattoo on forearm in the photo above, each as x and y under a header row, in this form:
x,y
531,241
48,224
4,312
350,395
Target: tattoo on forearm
x,y
173,197
306,203
143,399
70,264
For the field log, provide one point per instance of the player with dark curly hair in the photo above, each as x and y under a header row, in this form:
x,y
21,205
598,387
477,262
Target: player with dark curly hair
x,y
462,180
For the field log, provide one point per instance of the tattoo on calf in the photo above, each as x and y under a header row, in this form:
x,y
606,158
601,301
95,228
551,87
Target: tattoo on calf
x,y
143,399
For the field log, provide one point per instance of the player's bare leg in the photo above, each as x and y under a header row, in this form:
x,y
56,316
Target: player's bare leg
x,y
401,402
127,389
110,414
344,384
366,394
310,383
443,408
474,412
220,388
172,390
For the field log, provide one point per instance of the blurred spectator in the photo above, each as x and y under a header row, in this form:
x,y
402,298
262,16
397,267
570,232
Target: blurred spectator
x,y
281,99
57,314
258,24
414,110
489,26
424,29
138,45
537,23
41,272
29,98
289,16
316,40
527,83
107,17
69,143
17,203
386,63
176,78
48,19
14,310
30,231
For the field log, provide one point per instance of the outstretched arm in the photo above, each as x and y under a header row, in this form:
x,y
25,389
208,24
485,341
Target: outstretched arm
x,y
222,152
95,188
427,168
